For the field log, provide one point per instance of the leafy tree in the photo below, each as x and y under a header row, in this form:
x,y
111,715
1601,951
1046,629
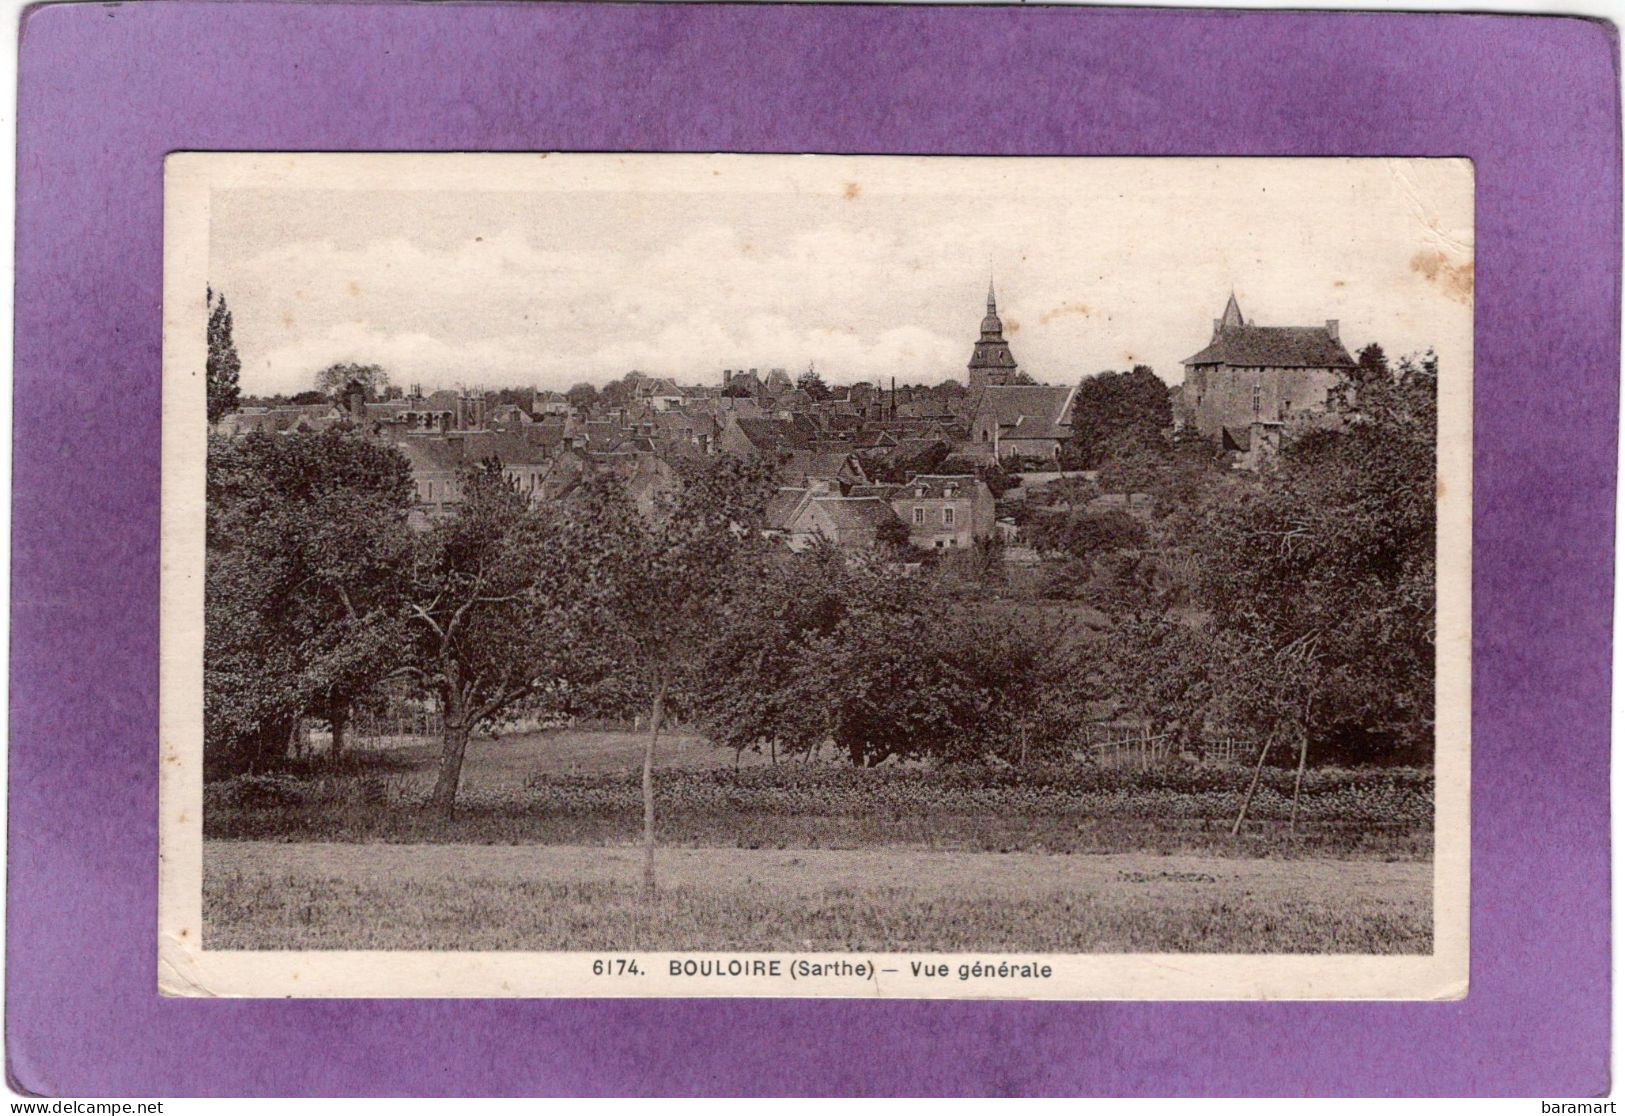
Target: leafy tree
x,y
1114,405
738,390
332,380
1034,682
1370,371
664,580
813,384
500,599
1084,535
582,396
306,545
1174,472
223,363
763,689
307,398
892,534
892,682
1320,578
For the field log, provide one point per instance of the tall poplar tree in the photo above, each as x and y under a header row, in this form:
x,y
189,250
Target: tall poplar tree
x,y
224,364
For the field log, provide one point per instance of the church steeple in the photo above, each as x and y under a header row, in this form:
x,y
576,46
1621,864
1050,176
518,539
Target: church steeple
x,y
1232,314
992,328
991,361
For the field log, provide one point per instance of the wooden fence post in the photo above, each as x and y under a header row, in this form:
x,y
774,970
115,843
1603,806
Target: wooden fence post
x,y
1253,786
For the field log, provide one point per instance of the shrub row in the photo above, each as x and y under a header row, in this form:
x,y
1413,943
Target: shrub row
x,y
1389,797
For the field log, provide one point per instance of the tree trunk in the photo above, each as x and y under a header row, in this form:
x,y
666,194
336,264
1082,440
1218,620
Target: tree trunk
x,y
655,714
453,743
1253,787
337,720
1297,783
855,750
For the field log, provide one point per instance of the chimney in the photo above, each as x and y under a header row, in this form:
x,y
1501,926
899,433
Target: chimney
x,y
1331,328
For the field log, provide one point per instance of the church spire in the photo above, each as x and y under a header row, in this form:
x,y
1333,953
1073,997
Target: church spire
x,y
991,362
992,328
1232,314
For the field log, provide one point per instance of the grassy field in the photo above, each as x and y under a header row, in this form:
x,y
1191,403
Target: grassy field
x,y
267,895
542,855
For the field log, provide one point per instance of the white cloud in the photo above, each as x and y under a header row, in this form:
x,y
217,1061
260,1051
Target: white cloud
x,y
1100,264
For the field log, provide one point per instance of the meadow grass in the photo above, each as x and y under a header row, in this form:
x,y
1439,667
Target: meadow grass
x,y
266,896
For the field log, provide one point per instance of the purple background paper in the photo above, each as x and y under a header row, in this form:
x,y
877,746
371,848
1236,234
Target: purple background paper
x,y
107,90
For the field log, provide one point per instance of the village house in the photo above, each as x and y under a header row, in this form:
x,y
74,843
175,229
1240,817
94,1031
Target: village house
x,y
438,461
1251,381
944,512
1020,420
802,516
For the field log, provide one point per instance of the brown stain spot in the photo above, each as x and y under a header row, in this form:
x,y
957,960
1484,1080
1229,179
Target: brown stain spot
x,y
355,288
1340,283
1012,326
1064,309
182,818
184,931
287,321
1438,488
852,191
1130,357
1454,280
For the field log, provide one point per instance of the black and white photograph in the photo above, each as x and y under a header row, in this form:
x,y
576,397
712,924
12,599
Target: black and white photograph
x,y
816,575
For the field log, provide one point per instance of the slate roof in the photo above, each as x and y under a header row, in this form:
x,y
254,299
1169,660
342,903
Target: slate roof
x,y
1250,346
783,505
861,513
936,487
1008,403
803,463
1028,427
775,434
880,491
438,452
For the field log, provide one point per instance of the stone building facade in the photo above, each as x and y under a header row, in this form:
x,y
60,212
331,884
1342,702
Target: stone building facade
x,y
1251,381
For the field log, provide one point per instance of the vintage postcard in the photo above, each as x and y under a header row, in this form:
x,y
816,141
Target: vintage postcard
x,y
771,575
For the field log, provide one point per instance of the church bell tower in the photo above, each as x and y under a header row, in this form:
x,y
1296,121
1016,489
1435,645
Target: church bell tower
x,y
991,362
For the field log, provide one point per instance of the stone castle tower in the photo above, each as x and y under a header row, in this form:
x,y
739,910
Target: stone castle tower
x,y
991,362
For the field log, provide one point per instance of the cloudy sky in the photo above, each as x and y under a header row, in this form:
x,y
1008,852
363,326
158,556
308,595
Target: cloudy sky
x,y
508,270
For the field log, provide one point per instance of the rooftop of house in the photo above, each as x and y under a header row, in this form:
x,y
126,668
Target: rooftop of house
x,y
1242,344
450,452
1008,403
856,513
805,463
776,434
964,485
1029,427
783,505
